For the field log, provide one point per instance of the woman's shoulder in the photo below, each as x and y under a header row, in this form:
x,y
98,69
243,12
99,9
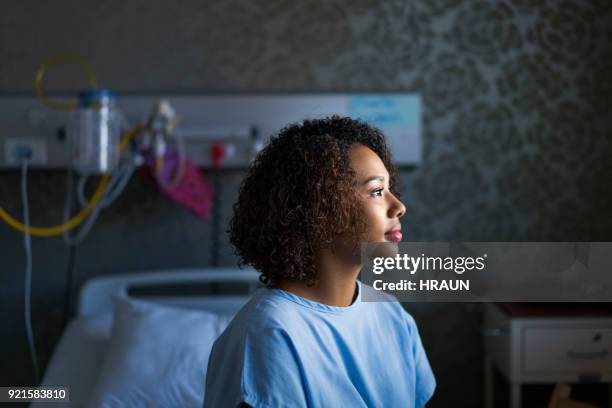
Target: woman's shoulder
x,y
387,304
264,311
258,321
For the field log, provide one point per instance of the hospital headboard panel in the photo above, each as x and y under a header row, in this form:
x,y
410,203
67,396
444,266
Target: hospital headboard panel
x,y
220,290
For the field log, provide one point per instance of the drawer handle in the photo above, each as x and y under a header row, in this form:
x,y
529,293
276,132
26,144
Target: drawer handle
x,y
587,355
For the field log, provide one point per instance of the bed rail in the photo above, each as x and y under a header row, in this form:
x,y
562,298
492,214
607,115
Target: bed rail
x,y
220,290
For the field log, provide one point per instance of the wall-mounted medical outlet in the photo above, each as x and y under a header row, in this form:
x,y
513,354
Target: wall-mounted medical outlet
x,y
209,119
18,149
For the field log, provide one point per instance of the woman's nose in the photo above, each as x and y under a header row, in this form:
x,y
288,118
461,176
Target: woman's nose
x,y
398,209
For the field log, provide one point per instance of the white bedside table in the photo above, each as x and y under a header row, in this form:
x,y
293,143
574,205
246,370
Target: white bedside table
x,y
543,343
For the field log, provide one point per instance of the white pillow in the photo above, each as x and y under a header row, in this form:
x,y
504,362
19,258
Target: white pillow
x,y
157,356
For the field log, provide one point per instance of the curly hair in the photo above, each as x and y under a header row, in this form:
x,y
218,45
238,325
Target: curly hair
x,y
299,194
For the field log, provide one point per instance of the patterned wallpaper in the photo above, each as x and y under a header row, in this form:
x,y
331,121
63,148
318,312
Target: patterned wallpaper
x,y
517,120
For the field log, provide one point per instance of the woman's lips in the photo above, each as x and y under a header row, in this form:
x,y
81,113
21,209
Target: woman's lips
x,y
394,236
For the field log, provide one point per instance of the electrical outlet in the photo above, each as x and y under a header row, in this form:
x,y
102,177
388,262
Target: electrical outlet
x,y
16,149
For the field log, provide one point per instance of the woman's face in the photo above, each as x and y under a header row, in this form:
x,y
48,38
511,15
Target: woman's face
x,y
382,209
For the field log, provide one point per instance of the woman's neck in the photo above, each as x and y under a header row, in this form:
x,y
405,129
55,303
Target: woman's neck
x,y
335,286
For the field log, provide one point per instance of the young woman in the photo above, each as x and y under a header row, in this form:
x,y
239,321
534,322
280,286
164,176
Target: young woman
x,y
312,195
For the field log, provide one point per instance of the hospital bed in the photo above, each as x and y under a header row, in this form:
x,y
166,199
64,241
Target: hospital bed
x,y
186,309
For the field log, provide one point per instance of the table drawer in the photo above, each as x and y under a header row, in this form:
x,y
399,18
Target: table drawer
x,y
569,349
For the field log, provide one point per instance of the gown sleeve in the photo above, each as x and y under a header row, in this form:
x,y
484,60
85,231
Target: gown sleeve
x,y
425,380
272,371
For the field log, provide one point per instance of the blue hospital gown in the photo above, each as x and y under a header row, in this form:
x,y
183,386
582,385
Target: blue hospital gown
x,y
283,350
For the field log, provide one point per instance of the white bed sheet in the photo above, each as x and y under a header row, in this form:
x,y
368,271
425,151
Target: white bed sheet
x,y
77,359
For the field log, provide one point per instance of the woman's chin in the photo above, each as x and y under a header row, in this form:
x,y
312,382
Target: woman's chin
x,y
382,249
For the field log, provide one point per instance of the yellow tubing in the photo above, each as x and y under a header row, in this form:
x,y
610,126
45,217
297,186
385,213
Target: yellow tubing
x,y
55,59
78,218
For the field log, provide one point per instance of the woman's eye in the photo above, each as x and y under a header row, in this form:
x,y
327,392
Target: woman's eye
x,y
378,192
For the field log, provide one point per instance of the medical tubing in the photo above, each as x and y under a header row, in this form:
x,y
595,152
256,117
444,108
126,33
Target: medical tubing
x,y
68,286
115,186
113,193
82,232
160,145
27,240
80,190
160,163
78,218
55,59
180,143
71,250
68,204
